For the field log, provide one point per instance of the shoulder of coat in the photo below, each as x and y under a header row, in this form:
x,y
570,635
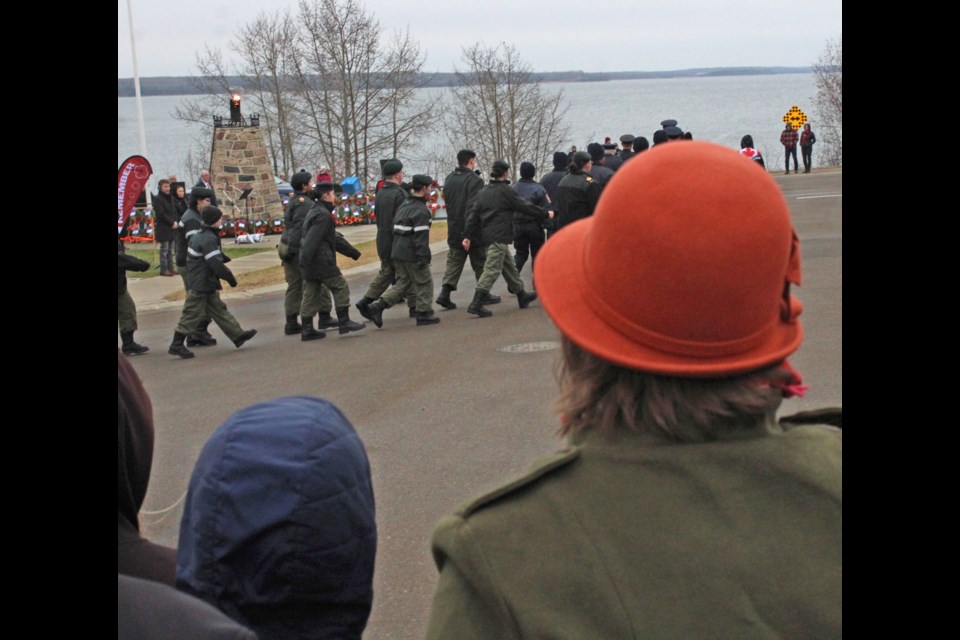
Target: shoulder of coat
x,y
589,178
543,467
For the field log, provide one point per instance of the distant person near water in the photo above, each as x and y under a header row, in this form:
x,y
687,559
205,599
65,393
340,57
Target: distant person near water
x,y
807,139
746,149
789,139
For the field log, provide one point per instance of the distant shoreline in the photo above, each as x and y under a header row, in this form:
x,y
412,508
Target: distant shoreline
x,y
183,85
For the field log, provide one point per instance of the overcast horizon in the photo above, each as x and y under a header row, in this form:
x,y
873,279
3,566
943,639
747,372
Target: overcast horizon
x,y
618,35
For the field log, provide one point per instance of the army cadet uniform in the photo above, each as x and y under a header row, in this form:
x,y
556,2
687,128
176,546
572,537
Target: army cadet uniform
x,y
389,199
206,266
190,224
578,192
490,221
625,153
289,249
126,309
601,173
320,273
411,258
459,190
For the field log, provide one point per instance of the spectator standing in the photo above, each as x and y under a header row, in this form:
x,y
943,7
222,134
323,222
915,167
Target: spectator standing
x,y
807,139
204,182
789,138
164,226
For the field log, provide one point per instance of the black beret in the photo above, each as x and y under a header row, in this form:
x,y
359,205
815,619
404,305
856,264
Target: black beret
x,y
300,179
420,180
201,192
595,149
323,187
210,215
581,158
501,164
392,166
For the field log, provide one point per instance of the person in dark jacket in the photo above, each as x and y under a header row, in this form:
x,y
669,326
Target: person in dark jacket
x,y
289,249
136,556
164,226
807,140
206,266
551,182
126,308
460,188
747,150
205,183
389,199
527,229
579,192
189,225
626,142
278,527
490,222
601,174
179,199
411,256
319,270
611,157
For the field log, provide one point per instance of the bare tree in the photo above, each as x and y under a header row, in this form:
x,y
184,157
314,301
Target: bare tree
x,y
828,71
502,112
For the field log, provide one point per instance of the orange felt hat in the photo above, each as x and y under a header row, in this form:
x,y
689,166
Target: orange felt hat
x,y
684,268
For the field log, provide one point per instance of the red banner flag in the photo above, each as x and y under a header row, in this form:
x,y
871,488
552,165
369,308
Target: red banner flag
x,y
131,180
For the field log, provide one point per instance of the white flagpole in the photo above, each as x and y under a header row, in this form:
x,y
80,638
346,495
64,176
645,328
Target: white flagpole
x,y
136,89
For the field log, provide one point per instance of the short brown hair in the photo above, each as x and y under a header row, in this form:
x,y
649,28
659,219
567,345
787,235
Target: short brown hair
x,y
162,182
596,394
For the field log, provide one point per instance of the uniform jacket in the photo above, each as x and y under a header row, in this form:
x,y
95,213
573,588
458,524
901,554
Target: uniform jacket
x,y
136,556
551,182
127,263
411,232
578,197
459,190
189,225
164,217
206,262
638,538
612,162
318,250
490,218
530,191
601,173
293,218
388,201
278,528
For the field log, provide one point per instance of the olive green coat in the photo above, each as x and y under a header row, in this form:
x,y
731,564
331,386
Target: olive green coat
x,y
639,538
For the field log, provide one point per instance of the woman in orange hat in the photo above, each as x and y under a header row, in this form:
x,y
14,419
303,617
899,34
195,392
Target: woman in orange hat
x,y
681,508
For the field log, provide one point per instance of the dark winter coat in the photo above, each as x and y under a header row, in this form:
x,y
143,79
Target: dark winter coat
x,y
278,528
490,219
459,190
206,262
179,207
318,249
601,173
578,197
389,199
530,191
411,232
164,217
189,225
293,218
551,182
127,263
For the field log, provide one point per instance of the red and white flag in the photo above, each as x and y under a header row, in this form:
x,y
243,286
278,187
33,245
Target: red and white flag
x,y
131,181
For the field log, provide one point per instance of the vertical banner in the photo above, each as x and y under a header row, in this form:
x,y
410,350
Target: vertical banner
x,y
131,181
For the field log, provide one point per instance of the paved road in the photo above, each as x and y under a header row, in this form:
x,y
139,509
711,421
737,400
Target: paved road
x,y
443,412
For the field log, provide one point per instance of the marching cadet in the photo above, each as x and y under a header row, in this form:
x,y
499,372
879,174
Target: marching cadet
x,y
411,256
579,192
289,249
189,225
206,266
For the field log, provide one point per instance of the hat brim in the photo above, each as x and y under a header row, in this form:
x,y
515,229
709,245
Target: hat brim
x,y
562,285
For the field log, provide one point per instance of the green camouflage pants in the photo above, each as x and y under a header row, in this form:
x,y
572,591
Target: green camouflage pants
x,y
200,305
457,258
499,261
414,282
316,295
126,313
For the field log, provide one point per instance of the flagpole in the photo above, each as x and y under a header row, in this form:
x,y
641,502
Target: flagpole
x,y
136,89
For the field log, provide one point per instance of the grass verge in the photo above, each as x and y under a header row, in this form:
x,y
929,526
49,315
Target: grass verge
x,y
152,256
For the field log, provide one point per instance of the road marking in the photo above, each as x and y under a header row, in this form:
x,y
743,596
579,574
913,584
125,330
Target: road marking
x,y
832,195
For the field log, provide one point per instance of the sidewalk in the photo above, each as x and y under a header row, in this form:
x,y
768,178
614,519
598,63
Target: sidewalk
x,y
149,293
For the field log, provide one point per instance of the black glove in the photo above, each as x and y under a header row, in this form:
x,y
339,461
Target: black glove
x,y
232,281
226,258
142,267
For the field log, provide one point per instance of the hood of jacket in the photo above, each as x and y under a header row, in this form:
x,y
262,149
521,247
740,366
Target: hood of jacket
x,y
278,528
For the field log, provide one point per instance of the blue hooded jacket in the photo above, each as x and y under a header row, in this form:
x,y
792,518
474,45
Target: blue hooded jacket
x,y
278,529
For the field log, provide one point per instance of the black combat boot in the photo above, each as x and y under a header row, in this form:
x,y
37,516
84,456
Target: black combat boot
x,y
376,312
362,307
131,348
524,299
444,298
489,299
177,348
246,335
346,324
201,337
427,317
292,327
476,306
326,321
412,313
309,333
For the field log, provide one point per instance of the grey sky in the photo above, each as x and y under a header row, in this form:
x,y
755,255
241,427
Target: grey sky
x,y
602,35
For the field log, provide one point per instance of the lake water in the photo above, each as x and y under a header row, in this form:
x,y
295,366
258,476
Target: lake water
x,y
718,109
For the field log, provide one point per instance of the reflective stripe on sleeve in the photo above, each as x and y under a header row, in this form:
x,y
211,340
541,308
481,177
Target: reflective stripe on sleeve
x,y
425,228
400,227
215,252
190,233
193,252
